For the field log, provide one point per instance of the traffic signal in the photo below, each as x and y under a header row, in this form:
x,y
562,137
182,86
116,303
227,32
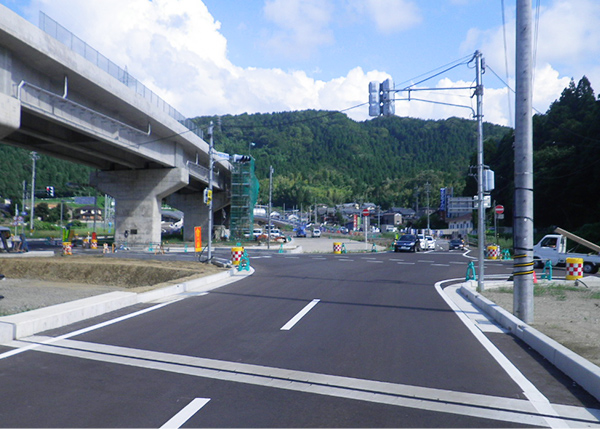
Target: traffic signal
x,y
50,191
387,99
241,158
207,196
381,101
374,107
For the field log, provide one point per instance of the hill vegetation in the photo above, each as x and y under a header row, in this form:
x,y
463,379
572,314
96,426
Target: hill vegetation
x,y
566,144
325,157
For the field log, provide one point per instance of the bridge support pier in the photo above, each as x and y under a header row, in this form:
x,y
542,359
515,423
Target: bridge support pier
x,y
195,212
138,195
10,115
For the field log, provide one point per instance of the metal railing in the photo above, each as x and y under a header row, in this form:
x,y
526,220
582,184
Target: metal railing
x,y
64,36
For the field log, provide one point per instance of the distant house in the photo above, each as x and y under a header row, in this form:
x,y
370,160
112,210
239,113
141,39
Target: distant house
x,y
391,218
85,213
407,213
462,225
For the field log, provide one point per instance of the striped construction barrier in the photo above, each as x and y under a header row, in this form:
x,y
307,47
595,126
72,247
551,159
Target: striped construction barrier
x,y
337,248
574,268
236,255
493,252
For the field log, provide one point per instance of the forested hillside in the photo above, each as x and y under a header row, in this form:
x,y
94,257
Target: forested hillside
x,y
566,143
16,165
325,157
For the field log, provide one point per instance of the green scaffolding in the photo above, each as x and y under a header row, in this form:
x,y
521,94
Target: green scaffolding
x,y
244,194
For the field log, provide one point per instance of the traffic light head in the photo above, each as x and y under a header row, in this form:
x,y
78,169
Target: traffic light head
x,y
241,158
50,191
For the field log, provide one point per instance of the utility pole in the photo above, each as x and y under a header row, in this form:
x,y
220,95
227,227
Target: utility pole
x,y
427,189
523,214
34,157
480,202
210,188
270,205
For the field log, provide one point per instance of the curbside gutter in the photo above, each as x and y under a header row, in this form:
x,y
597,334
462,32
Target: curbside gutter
x,y
31,322
582,371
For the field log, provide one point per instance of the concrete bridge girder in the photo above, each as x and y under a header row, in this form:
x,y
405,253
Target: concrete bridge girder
x,y
138,195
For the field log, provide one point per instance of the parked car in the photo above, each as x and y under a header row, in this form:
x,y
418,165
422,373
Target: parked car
x,y
408,243
301,232
256,232
430,242
456,244
316,232
344,230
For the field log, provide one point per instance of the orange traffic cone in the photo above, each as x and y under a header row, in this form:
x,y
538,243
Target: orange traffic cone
x,y
534,278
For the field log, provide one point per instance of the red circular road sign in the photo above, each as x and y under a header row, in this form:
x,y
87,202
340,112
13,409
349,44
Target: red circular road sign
x,y
366,212
499,209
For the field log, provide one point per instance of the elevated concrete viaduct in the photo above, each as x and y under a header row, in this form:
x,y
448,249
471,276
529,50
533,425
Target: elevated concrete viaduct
x,y
60,97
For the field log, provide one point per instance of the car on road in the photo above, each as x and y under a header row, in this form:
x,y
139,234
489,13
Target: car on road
x,y
256,232
456,243
430,242
408,243
316,232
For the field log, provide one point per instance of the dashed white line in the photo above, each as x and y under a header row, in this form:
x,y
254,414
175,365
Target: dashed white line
x,y
186,413
289,325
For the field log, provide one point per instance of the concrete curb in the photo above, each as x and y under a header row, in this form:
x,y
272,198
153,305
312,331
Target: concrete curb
x,y
582,371
31,322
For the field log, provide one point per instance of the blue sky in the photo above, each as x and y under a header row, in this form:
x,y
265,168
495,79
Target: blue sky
x,y
209,57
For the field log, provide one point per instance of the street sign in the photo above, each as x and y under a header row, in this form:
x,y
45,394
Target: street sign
x,y
366,212
499,209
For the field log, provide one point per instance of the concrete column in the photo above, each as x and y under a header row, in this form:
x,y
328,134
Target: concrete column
x,y
10,115
138,195
195,212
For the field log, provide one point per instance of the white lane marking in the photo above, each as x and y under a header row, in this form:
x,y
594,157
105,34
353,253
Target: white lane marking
x,y
405,263
440,265
400,395
88,329
289,325
424,260
457,263
185,414
374,262
396,260
345,260
537,399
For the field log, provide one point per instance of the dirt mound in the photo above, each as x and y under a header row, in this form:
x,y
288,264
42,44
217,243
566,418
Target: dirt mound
x,y
125,273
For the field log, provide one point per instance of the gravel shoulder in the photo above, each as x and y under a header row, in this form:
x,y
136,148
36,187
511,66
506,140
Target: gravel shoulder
x,y
568,314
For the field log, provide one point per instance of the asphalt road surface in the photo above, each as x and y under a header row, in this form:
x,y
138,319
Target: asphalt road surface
x,y
309,340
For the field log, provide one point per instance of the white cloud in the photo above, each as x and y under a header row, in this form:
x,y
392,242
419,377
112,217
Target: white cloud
x,y
568,35
389,16
303,26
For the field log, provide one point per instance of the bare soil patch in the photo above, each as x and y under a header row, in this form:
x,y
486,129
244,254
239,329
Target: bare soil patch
x,y
569,315
32,283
